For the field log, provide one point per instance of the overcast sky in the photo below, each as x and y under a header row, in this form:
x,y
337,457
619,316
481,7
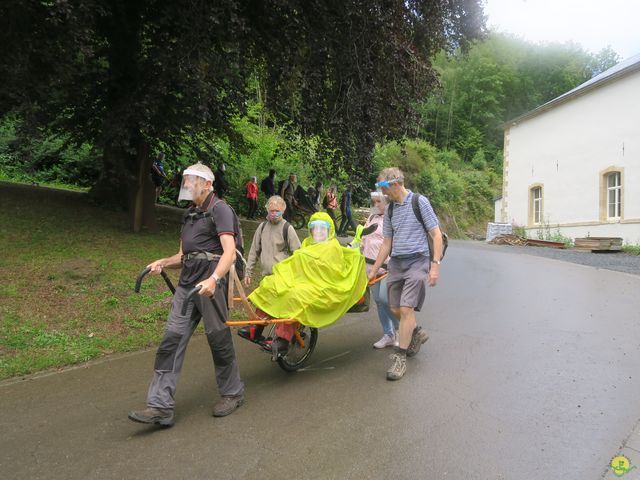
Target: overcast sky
x,y
594,24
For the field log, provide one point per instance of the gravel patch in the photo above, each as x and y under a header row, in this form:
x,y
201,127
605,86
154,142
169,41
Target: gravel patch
x,y
617,261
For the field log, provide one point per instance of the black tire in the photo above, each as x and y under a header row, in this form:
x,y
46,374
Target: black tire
x,y
296,357
298,221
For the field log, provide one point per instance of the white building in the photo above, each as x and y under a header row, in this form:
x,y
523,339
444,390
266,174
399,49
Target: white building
x,y
572,165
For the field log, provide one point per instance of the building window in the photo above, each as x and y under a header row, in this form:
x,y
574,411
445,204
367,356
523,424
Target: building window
x,y
614,195
536,204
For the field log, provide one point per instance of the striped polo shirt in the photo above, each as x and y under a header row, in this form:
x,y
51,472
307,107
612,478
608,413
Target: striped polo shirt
x,y
409,237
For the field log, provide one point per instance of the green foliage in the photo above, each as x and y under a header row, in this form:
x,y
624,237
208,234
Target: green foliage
x,y
497,80
478,161
80,265
558,237
632,249
462,195
126,77
544,233
296,101
520,231
44,157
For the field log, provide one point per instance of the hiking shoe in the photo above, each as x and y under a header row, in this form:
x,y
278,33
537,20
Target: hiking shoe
x,y
151,415
252,333
245,332
419,337
227,405
398,367
386,341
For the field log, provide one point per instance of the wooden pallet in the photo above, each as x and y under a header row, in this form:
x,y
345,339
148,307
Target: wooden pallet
x,y
511,239
598,244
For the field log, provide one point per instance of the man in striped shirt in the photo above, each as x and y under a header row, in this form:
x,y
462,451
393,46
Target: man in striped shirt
x,y
410,270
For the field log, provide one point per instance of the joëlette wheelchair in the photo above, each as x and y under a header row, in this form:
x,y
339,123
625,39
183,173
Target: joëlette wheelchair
x,y
305,338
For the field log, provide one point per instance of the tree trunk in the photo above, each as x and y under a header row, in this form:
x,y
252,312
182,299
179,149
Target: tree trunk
x,y
126,183
125,179
142,192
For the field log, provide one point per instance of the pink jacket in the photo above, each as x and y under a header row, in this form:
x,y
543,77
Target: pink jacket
x,y
371,243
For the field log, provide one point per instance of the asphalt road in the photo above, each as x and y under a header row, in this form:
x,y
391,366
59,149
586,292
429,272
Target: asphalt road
x,y
531,372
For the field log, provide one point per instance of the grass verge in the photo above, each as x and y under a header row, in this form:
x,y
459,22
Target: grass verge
x,y
68,271
631,249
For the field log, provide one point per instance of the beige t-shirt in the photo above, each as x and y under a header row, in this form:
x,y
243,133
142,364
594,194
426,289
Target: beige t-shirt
x,y
269,248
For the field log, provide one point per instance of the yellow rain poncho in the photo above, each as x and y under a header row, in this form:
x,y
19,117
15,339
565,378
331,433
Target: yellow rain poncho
x,y
317,284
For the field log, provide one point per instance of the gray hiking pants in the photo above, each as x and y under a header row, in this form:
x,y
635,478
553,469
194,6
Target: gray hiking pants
x,y
170,354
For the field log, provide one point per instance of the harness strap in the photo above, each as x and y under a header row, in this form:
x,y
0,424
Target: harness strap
x,y
200,256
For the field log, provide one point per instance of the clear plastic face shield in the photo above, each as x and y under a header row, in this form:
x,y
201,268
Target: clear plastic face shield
x,y
319,230
387,183
192,182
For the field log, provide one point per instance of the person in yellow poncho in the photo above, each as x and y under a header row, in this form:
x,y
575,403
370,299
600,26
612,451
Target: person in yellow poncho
x,y
316,285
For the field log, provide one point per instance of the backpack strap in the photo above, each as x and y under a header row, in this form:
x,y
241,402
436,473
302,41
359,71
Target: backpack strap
x,y
415,203
238,233
259,231
285,235
214,201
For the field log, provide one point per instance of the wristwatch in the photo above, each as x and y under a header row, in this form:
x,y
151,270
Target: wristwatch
x,y
215,277
437,262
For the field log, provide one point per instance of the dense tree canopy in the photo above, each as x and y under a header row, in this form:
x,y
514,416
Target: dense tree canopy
x,y
497,80
125,74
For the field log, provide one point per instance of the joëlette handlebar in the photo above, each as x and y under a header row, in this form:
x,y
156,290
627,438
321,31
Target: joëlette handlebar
x,y
377,279
371,261
194,291
144,272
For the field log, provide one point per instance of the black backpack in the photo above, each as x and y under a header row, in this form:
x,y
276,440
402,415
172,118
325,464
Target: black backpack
x,y
264,185
240,261
415,204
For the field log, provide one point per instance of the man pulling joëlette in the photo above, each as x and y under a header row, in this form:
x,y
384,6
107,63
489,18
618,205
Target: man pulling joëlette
x,y
207,251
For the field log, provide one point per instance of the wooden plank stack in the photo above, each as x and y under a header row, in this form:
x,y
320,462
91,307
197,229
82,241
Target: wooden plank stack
x,y
598,244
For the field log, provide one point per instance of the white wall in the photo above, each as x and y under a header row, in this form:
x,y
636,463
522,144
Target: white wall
x,y
566,148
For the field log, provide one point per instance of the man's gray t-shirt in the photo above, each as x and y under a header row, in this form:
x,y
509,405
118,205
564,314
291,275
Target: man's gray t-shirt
x,y
409,237
203,235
